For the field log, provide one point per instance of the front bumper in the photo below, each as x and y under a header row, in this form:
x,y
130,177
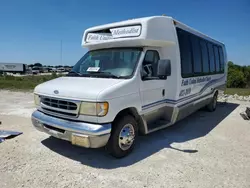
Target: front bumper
x,y
78,133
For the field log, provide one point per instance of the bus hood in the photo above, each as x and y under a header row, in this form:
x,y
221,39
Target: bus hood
x,y
76,88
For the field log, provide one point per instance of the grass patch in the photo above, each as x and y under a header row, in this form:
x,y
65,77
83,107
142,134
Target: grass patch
x,y
238,91
24,82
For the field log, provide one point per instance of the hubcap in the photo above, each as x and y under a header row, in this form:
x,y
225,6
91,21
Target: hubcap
x,y
126,137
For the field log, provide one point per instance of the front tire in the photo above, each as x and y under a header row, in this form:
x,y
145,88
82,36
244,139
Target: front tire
x,y
213,103
123,135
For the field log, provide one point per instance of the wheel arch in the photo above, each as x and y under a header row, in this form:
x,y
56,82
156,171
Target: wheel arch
x,y
216,92
133,112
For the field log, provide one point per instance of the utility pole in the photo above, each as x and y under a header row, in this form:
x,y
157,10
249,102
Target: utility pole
x,y
61,52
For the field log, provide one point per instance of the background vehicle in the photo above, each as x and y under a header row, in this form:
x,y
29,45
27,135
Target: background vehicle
x,y
61,69
13,67
37,70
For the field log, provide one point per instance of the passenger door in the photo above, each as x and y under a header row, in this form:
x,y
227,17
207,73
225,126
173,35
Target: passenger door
x,y
151,88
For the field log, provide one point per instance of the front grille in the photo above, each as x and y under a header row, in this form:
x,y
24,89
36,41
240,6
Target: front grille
x,y
58,103
59,112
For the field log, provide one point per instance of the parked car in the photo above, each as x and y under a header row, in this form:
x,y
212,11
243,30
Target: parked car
x,y
36,70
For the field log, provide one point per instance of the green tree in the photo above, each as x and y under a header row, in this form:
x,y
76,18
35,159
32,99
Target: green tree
x,y
237,76
38,65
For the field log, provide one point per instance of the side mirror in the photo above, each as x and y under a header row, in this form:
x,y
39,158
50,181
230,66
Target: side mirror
x,y
164,68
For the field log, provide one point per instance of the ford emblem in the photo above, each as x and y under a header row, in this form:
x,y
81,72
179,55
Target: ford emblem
x,y
56,91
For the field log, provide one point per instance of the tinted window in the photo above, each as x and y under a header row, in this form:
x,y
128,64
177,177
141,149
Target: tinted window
x,y
221,59
150,63
185,53
204,54
196,54
127,57
211,58
113,61
199,56
151,57
217,59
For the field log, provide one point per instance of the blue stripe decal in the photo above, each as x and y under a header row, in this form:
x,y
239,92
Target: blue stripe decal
x,y
170,101
195,99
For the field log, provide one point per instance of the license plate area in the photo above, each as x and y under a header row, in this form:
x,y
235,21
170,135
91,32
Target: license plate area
x,y
54,129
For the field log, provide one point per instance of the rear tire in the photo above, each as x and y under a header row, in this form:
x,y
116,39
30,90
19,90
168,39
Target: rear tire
x,y
213,103
123,136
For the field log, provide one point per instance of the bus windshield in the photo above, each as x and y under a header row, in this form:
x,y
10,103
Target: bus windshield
x,y
114,62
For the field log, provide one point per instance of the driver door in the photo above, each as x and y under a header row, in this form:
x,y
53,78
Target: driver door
x,y
151,88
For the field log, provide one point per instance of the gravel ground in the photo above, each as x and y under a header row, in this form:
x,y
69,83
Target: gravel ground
x,y
204,150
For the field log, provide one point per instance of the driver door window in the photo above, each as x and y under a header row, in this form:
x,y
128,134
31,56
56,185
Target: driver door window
x,y
150,63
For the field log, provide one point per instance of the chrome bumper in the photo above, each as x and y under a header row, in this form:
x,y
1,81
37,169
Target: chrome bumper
x,y
78,133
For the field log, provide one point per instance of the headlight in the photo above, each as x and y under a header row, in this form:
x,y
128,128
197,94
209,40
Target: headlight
x,y
94,109
36,99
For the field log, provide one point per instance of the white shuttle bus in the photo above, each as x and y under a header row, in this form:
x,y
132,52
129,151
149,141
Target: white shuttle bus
x,y
138,76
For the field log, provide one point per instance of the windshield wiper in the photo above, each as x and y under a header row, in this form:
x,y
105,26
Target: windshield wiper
x,y
106,74
89,74
74,73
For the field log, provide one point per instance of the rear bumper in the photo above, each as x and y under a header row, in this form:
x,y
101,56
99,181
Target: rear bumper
x,y
78,133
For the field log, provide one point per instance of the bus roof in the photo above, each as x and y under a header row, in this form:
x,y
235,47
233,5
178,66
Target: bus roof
x,y
146,31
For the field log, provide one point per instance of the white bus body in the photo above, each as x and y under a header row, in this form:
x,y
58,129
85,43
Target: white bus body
x,y
139,75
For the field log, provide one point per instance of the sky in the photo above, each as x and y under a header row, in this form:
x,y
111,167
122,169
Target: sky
x,y
32,30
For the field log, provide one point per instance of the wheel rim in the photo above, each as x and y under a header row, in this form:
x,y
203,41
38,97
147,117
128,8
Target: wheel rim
x,y
126,137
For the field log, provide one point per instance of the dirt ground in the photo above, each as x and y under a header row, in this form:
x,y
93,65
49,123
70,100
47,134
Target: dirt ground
x,y
204,150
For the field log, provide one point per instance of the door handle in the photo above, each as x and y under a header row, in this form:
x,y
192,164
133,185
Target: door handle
x,y
163,92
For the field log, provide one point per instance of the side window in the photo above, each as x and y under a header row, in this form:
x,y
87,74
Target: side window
x,y
196,55
199,56
185,53
205,59
217,59
211,58
222,61
150,63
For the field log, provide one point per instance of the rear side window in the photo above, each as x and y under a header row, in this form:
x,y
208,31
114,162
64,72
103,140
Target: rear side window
x,y
196,55
204,54
185,53
217,59
211,58
222,61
